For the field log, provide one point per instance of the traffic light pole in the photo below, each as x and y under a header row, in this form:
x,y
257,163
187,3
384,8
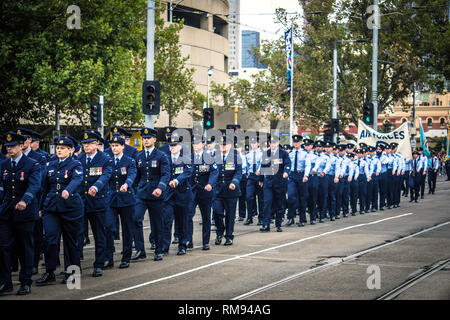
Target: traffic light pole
x,y
102,125
149,120
375,65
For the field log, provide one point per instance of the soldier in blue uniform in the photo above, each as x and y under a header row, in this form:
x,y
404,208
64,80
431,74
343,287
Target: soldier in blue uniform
x,y
373,186
405,183
332,175
383,177
342,198
129,151
204,177
152,181
363,170
254,181
320,170
21,180
432,172
297,186
97,169
178,197
276,166
122,202
313,183
397,174
62,210
424,168
167,133
226,192
416,176
353,183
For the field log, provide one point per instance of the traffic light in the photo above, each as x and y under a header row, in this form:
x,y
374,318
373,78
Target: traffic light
x,y
151,97
95,115
328,135
368,113
208,118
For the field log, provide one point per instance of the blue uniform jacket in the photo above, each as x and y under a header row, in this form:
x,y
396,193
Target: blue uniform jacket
x,y
128,150
229,172
203,174
182,193
166,149
67,175
152,173
97,175
124,172
39,157
273,172
20,184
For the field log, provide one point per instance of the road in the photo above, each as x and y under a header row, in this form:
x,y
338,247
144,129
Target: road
x,y
329,261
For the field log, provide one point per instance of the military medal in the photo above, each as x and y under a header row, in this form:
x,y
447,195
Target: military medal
x,y
154,163
123,170
66,176
22,176
229,166
178,170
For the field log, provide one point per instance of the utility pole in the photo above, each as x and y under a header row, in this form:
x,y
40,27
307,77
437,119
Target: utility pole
x,y
334,109
102,124
149,120
375,64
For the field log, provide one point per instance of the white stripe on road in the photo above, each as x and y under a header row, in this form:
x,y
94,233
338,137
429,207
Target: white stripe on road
x,y
243,256
331,264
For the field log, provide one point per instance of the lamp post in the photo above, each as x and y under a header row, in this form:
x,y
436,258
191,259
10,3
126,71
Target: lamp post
x,y
334,117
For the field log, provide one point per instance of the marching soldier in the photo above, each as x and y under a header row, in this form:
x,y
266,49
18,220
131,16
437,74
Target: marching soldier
x,y
424,160
374,172
254,182
97,169
62,210
312,183
152,181
167,133
314,188
339,185
277,165
432,173
343,186
298,177
21,178
226,192
391,162
405,184
321,169
383,177
353,182
122,202
415,177
129,151
397,173
178,197
363,169
204,177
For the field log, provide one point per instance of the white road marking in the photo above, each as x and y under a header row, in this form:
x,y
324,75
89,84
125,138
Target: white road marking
x,y
242,256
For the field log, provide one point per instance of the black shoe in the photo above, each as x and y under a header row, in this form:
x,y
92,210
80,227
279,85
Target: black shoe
x,y
279,229
345,215
229,242
5,289
205,247
108,265
249,221
332,219
338,217
264,229
175,240
382,209
312,222
23,290
165,252
218,240
181,252
373,210
389,207
321,220
46,279
290,222
240,219
139,255
353,213
158,257
152,246
300,224
97,272
66,278
361,212
34,271
124,265
367,211
190,245
411,200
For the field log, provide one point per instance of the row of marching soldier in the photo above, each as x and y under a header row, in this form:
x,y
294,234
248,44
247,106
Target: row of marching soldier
x,y
48,197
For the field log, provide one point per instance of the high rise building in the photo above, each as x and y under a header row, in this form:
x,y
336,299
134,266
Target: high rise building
x,y
234,35
250,40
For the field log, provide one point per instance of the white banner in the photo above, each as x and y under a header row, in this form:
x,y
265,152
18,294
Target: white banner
x,y
401,135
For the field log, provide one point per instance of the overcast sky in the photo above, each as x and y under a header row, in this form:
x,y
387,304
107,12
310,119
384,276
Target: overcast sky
x,y
265,23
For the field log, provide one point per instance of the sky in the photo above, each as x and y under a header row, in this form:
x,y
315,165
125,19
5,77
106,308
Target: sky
x,y
264,23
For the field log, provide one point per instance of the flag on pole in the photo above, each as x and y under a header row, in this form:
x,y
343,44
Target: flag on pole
x,y
423,140
289,62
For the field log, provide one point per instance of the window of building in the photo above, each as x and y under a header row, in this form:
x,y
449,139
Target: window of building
x,y
429,122
442,122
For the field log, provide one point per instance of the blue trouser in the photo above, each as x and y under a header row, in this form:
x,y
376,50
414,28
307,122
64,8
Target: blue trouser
x,y
323,196
274,201
297,196
342,196
177,213
126,219
362,192
97,222
243,197
253,190
432,180
345,199
225,209
354,195
55,225
313,190
406,182
203,199
414,184
382,181
398,189
422,182
390,188
372,193
156,214
21,233
332,187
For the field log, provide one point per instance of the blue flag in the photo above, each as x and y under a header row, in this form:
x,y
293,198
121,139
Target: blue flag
x,y
423,140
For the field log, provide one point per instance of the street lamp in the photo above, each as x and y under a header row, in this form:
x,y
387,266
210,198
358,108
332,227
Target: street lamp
x,y
207,91
335,57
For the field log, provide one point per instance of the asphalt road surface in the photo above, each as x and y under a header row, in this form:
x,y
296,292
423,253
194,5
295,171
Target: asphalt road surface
x,y
360,257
